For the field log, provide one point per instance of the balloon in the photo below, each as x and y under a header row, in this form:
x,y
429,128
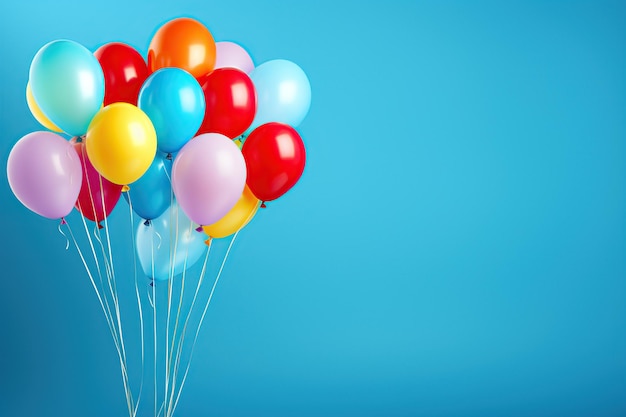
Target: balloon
x,y
68,85
45,174
94,190
275,158
169,244
151,194
237,218
232,55
37,113
124,72
174,102
182,43
230,102
208,177
121,143
283,93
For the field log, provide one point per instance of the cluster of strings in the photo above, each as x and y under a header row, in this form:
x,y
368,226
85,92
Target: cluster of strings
x,y
168,315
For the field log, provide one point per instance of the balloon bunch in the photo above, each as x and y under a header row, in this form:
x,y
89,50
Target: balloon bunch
x,y
194,136
194,102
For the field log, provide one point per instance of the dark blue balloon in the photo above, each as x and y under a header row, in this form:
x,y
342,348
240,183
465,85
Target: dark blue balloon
x,y
174,102
151,194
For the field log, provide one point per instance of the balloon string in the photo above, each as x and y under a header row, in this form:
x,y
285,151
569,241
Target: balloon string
x,y
129,395
188,315
170,279
115,321
193,302
86,178
174,232
90,275
110,277
105,261
107,313
149,293
190,231
160,239
169,293
195,339
154,326
184,332
160,409
139,306
167,174
118,338
172,258
67,241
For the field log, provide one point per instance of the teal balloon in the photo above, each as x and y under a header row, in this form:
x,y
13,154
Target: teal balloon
x,y
174,101
151,194
283,93
169,244
67,83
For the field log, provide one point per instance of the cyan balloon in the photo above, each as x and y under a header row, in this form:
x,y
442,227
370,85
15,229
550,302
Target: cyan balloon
x,y
283,93
67,83
174,102
152,194
169,244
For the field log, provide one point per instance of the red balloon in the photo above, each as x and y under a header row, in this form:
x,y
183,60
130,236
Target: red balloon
x,y
230,102
275,158
93,189
124,69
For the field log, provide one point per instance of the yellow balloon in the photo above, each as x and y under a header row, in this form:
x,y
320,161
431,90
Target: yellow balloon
x,y
37,113
121,143
236,218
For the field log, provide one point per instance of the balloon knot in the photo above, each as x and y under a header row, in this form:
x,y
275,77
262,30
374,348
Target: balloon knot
x,y
199,229
263,204
208,241
168,156
78,139
100,226
152,284
63,221
147,223
125,188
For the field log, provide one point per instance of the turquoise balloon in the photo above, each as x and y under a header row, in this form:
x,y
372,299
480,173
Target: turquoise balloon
x,y
169,244
151,194
174,102
67,83
283,93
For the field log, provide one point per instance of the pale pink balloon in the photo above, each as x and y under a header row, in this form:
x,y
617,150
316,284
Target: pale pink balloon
x,y
232,55
45,174
208,177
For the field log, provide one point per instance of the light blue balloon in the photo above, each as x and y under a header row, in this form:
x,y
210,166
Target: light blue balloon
x,y
151,194
156,242
67,83
283,93
174,102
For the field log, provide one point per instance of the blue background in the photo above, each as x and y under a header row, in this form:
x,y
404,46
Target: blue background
x,y
456,246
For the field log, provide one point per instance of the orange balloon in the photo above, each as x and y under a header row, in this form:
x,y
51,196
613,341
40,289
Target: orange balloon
x,y
237,218
183,43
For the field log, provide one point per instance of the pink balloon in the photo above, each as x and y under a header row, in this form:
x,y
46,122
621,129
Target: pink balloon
x,y
208,177
232,55
45,174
